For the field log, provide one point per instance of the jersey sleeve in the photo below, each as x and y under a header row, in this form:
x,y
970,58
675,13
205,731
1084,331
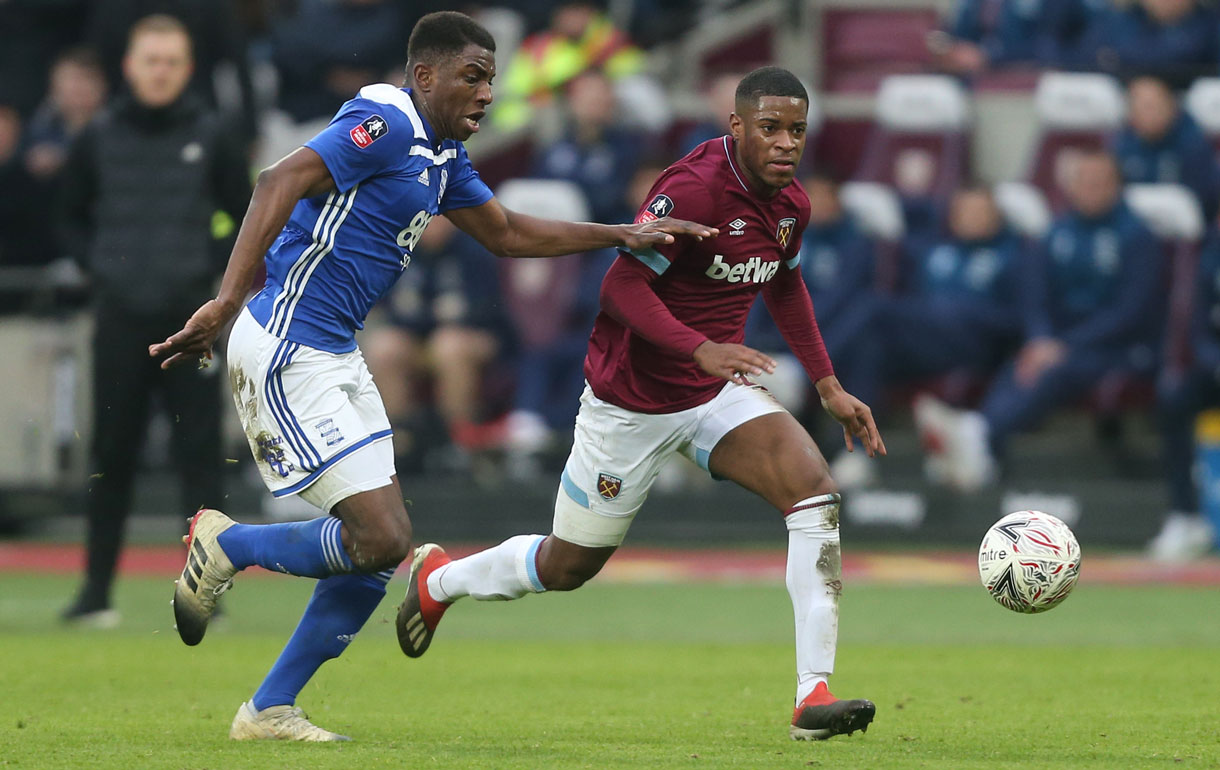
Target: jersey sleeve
x,y
465,189
677,193
363,139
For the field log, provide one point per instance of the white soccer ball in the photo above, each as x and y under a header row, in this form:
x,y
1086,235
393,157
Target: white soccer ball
x,y
1029,561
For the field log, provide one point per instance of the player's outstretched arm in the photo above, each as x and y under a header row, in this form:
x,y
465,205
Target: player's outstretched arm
x,y
508,233
853,414
301,174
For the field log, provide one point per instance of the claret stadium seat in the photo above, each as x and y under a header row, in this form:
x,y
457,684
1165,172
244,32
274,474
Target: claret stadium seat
x,y
920,142
1076,113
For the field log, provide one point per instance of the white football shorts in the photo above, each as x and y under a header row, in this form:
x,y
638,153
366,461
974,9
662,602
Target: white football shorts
x,y
617,454
314,420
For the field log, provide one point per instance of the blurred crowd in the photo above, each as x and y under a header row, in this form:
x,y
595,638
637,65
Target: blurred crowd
x,y
993,324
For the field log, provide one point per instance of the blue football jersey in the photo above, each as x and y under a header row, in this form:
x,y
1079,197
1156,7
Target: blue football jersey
x,y
341,252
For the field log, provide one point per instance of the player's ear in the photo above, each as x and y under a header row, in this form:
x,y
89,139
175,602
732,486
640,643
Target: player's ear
x,y
736,126
420,76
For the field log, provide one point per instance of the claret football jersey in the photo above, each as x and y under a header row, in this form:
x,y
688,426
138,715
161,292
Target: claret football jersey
x,y
708,285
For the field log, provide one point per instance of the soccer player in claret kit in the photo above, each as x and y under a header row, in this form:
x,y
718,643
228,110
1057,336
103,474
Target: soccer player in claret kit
x,y
667,373
337,221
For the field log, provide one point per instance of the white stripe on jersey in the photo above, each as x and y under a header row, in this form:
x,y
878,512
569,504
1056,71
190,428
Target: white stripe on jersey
x,y
298,289
384,93
437,159
329,210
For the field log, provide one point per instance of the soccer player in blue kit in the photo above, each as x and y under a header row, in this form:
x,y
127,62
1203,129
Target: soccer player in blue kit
x,y
337,221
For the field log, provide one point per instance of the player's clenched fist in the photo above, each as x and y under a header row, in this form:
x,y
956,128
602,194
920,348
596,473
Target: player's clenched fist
x,y
732,362
661,231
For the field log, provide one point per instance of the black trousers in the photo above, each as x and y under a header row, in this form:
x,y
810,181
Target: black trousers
x,y
125,382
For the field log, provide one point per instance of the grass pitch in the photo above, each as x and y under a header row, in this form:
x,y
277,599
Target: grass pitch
x,y
633,676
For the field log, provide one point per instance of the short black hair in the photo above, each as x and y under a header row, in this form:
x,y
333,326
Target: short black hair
x,y
446,33
769,81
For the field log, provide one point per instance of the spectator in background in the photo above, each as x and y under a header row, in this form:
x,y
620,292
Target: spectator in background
x,y
594,154
989,34
1181,396
78,91
1162,143
21,242
1175,40
958,313
327,51
444,328
139,190
721,100
1092,308
580,38
218,44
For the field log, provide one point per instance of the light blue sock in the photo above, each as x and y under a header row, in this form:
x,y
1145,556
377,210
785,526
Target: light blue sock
x,y
340,606
311,548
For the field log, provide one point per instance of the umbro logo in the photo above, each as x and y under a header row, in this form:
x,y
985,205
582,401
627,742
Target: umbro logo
x,y
737,226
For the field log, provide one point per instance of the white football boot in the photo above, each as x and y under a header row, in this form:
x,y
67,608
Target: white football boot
x,y
277,723
208,574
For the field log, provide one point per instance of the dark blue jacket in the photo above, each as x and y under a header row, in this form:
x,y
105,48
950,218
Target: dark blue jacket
x,y
1097,282
457,284
839,266
602,170
1205,325
975,282
1128,42
1183,156
1022,30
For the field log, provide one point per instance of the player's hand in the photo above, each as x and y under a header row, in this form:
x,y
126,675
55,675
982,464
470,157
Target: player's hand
x,y
853,414
732,362
1036,357
659,232
194,342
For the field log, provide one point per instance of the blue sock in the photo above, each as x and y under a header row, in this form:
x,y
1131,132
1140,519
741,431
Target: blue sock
x,y
311,548
338,609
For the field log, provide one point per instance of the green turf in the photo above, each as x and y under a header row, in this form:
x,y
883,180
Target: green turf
x,y
680,676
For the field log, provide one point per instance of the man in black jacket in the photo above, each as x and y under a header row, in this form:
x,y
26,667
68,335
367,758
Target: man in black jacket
x,y
141,186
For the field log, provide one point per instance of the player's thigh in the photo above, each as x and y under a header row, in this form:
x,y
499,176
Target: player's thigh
x,y
616,456
314,421
774,457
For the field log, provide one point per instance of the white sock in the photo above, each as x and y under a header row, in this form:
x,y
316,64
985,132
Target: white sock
x,y
507,571
814,579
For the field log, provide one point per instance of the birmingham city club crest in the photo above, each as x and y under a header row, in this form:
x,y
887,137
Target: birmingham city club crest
x,y
608,486
783,233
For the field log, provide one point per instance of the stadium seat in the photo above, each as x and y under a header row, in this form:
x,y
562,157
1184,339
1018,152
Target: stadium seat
x,y
878,213
1203,104
860,47
538,293
1024,208
919,143
1076,113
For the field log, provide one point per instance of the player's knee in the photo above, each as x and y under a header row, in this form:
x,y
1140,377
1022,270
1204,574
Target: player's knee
x,y
382,545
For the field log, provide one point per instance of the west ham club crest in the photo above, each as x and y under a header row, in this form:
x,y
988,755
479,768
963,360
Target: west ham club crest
x,y
608,486
783,233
